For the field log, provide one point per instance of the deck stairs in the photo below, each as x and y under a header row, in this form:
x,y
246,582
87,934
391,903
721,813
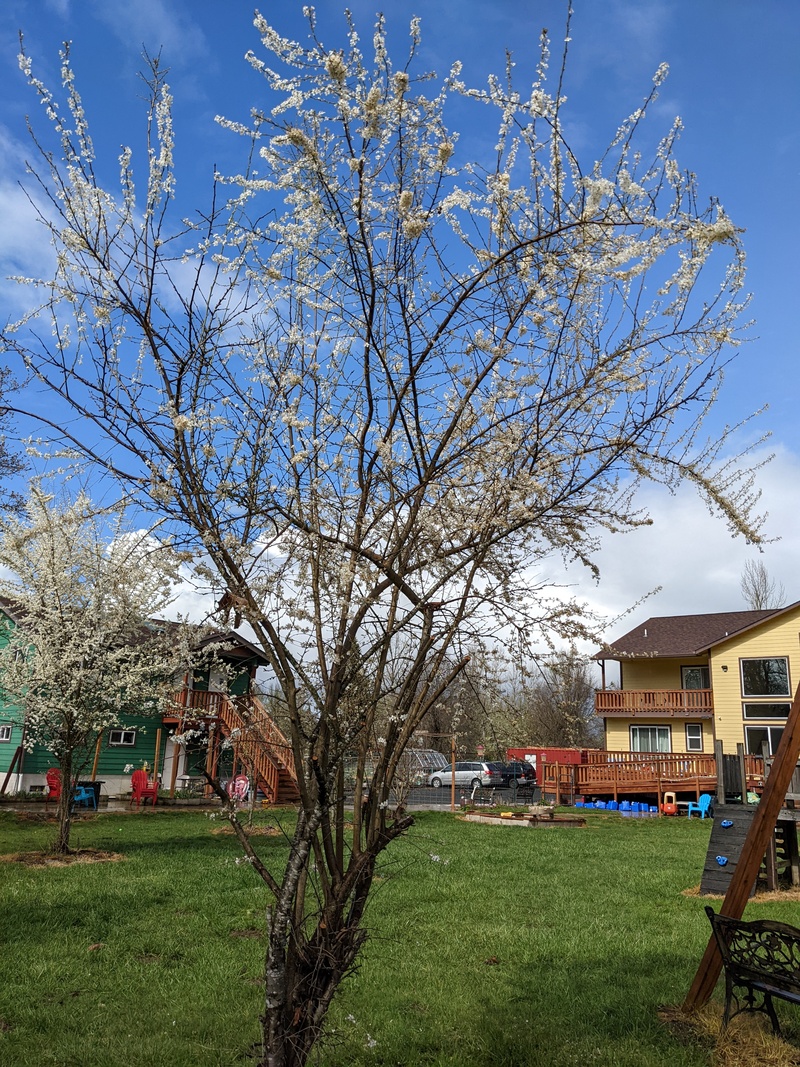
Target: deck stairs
x,y
261,747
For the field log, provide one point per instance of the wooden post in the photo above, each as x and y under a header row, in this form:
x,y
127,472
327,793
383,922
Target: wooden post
x,y
742,771
17,755
719,756
761,829
217,744
453,775
792,851
157,755
210,757
173,778
96,756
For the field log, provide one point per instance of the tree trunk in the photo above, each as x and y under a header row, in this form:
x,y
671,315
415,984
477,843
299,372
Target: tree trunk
x,y
64,811
302,977
309,954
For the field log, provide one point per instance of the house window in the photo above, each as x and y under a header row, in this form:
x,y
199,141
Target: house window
x,y
122,737
650,739
695,678
756,736
765,677
694,737
766,711
5,731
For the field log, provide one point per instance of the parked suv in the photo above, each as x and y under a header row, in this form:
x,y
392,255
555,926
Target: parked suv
x,y
523,773
467,773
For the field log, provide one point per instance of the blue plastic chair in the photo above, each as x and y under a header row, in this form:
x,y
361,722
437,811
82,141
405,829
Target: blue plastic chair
x,y
703,805
83,795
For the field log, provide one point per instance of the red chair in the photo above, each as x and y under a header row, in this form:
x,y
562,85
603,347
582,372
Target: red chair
x,y
142,788
53,779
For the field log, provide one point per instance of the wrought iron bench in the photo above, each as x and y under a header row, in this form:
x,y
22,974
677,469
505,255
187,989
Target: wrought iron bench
x,y
760,958
483,794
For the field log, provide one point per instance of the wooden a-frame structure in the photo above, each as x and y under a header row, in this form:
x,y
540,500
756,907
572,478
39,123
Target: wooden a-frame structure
x,y
755,845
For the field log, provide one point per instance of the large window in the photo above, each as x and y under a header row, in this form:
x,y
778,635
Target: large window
x,y
766,711
765,677
650,739
756,736
694,737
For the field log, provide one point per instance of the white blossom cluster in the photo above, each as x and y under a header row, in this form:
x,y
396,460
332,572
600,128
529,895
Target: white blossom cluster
x,y
80,648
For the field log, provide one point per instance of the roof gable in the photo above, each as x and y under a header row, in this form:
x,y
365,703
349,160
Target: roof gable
x,y
673,636
227,644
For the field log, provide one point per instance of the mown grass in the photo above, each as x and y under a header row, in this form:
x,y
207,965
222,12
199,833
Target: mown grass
x,y
489,945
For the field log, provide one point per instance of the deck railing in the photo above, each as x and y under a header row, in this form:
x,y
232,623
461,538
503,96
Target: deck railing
x,y
697,702
204,704
620,773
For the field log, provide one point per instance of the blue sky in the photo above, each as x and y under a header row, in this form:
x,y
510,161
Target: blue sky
x,y
735,82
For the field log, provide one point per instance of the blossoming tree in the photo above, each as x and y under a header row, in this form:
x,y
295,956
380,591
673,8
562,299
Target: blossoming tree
x,y
79,647
382,390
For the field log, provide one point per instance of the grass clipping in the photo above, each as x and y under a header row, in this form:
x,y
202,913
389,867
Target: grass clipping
x,y
748,1039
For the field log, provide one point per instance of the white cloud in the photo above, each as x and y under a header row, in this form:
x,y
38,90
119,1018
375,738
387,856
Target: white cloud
x,y
154,24
692,556
196,605
24,243
639,25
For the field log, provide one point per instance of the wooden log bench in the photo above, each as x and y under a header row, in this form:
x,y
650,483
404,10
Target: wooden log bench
x,y
761,961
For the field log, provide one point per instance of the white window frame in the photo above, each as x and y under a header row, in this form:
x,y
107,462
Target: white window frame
x,y
761,659
705,673
696,735
118,738
663,731
5,732
759,710
773,736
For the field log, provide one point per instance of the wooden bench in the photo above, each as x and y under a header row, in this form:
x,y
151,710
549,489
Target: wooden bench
x,y
761,960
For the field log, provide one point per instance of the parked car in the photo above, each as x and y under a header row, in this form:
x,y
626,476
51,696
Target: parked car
x,y
469,773
415,767
518,771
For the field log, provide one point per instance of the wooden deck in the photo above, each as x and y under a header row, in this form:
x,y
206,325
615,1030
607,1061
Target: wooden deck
x,y
636,703
620,774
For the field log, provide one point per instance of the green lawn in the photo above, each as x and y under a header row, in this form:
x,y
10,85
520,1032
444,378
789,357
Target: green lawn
x,y
490,946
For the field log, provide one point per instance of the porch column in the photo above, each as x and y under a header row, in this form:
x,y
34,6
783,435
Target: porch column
x,y
175,756
210,761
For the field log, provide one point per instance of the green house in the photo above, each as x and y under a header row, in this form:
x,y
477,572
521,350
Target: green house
x,y
212,723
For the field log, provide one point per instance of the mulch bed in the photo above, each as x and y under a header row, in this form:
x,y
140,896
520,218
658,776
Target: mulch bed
x,y
53,859
748,1041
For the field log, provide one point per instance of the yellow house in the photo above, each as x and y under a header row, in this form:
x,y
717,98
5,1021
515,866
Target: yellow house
x,y
687,681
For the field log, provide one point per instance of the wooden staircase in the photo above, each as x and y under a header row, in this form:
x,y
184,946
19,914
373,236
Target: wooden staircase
x,y
261,747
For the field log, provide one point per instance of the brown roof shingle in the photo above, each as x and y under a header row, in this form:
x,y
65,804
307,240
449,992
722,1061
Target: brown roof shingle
x,y
683,635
